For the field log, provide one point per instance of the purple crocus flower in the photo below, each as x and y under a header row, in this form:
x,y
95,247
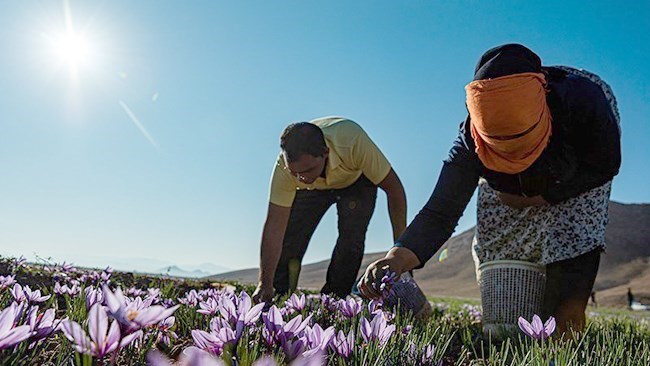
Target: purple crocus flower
x,y
294,326
387,282
296,303
277,329
209,307
317,338
26,294
376,330
99,344
42,325
343,345
66,290
239,313
93,296
536,329
165,332
20,262
407,329
134,315
191,356
10,334
428,354
134,291
350,307
208,342
191,298
329,302
7,281
154,293
375,306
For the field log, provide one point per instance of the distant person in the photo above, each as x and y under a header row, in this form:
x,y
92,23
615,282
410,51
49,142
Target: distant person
x,y
324,162
542,144
630,298
593,299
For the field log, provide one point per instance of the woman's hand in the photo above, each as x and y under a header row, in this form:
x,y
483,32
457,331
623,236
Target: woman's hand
x,y
519,202
397,260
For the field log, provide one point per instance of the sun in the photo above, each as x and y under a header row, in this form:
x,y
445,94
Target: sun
x,y
72,49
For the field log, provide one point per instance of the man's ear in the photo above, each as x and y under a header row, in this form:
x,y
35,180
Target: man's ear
x,y
326,152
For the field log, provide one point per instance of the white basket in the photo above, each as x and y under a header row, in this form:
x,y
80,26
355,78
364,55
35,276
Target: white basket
x,y
407,294
509,289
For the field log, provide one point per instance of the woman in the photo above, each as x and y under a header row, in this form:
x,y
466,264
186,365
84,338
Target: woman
x,y
542,144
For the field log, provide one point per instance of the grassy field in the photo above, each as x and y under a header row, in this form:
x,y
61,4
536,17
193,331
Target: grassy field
x,y
80,318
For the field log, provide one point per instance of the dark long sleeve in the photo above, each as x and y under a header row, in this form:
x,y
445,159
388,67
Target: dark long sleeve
x,y
597,147
436,221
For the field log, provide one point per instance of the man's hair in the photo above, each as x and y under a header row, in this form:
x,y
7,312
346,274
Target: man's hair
x,y
302,138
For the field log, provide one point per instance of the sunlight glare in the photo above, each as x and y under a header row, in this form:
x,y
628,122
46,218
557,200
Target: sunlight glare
x,y
72,49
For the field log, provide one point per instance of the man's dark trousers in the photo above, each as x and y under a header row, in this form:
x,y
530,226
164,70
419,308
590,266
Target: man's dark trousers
x,y
354,205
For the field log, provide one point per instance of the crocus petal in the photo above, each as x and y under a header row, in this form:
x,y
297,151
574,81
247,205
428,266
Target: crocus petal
x,y
73,331
113,338
156,358
130,338
549,326
538,326
526,327
112,301
253,314
16,335
97,324
366,329
265,361
7,317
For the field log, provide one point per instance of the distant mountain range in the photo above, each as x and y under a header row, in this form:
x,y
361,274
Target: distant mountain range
x,y
175,271
625,264
150,266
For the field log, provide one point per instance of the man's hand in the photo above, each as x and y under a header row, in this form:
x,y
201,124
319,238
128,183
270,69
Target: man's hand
x,y
397,260
519,202
263,293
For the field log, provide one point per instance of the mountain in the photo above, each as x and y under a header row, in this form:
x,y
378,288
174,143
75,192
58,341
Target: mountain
x,y
147,265
175,271
626,262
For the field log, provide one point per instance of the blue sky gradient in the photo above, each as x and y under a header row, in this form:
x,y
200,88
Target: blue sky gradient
x,y
161,144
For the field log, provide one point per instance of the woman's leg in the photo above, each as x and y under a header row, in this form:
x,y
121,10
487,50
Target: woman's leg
x,y
568,286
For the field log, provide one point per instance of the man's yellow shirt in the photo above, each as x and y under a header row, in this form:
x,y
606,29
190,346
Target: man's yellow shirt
x,y
351,153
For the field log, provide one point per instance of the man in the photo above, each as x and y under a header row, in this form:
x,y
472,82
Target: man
x,y
324,162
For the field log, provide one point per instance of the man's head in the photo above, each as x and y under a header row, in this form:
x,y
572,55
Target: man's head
x,y
304,151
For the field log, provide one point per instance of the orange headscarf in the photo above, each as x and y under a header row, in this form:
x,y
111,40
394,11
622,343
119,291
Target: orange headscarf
x,y
510,120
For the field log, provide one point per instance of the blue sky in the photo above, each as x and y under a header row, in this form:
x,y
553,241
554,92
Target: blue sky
x,y
160,142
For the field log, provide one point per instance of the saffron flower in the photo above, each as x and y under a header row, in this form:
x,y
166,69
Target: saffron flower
x,y
65,290
191,356
93,296
165,332
6,281
99,344
350,307
296,303
26,294
42,325
387,282
536,329
376,330
343,345
10,334
134,315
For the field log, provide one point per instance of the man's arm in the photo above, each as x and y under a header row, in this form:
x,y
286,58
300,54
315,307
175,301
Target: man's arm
x,y
396,202
271,249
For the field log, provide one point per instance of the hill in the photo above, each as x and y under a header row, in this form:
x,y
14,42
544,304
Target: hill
x,y
626,262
